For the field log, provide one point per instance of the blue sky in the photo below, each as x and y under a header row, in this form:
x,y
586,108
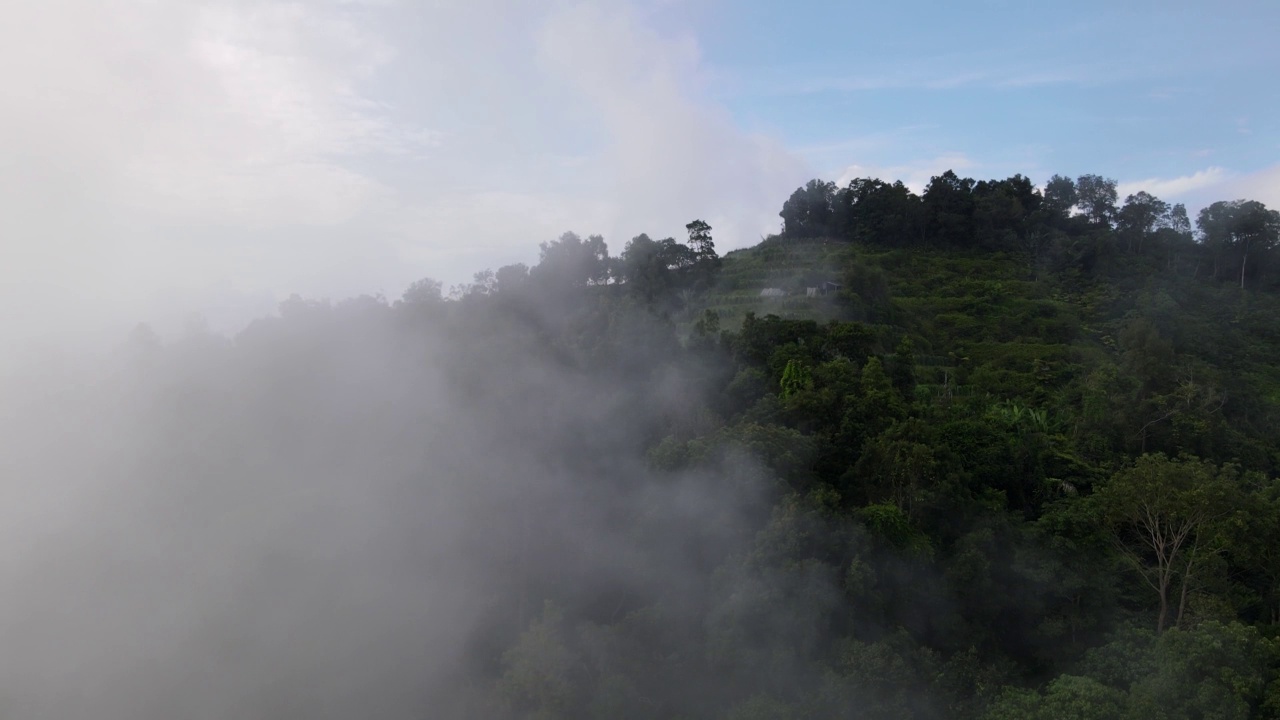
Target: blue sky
x,y
1131,90
212,157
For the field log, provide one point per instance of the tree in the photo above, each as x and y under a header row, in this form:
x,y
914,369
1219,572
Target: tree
x,y
807,213
1097,198
484,282
948,205
541,669
511,278
1215,228
875,407
1245,228
897,471
1177,220
871,209
1060,195
706,262
1166,518
1214,670
902,367
655,270
1139,218
706,329
1068,697
1260,548
1174,235
1257,230
796,378
1001,211
423,292
700,239
573,262
597,260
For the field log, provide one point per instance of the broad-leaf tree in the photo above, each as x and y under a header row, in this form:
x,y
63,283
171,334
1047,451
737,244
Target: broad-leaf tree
x,y
1097,197
1167,518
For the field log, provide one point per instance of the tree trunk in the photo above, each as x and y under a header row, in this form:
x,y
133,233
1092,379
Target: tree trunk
x,y
1164,605
1243,261
1182,601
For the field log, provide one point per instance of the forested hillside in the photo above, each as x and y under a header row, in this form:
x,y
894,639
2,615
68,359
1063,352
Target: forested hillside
x,y
1014,456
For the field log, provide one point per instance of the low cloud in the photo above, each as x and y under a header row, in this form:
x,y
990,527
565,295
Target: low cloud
x,y
669,155
220,151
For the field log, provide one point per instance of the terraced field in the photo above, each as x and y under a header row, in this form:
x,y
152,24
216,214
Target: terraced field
x,y
789,265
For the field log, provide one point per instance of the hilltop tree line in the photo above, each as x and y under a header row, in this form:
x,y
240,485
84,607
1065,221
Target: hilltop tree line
x,y
1070,223
656,271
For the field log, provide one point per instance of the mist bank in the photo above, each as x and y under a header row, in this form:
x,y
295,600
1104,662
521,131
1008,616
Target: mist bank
x,y
348,509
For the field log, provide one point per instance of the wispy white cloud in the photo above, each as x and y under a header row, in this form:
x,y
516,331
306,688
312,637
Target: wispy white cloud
x,y
868,142
940,73
1176,187
1211,185
1262,185
888,81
